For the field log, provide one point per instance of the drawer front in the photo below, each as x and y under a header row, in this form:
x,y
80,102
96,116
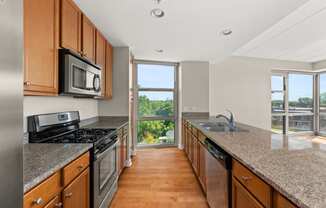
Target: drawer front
x,y
257,187
43,193
76,167
280,201
125,129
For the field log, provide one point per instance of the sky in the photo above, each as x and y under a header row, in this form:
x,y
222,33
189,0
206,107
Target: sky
x,y
156,76
300,85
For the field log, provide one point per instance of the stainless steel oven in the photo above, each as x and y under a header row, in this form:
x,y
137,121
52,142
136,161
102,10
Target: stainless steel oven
x,y
105,170
78,76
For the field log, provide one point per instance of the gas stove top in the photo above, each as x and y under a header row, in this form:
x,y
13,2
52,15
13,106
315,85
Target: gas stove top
x,y
83,136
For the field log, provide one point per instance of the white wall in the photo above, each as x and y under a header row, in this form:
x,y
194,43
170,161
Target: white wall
x,y
242,85
194,91
118,105
38,105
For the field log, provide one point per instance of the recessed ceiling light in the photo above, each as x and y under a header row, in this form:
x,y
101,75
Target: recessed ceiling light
x,y
159,50
226,32
158,13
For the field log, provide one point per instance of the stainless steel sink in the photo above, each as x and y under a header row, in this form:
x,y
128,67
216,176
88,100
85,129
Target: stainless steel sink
x,y
220,127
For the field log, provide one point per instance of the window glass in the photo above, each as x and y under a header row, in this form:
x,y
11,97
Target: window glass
x,y
278,124
278,102
155,76
300,93
277,83
155,104
155,132
300,123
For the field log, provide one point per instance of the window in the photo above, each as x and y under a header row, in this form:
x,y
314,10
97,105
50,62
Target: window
x,y
322,103
156,102
292,102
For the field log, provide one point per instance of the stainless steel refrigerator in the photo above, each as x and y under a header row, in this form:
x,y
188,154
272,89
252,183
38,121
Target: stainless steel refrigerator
x,y
11,103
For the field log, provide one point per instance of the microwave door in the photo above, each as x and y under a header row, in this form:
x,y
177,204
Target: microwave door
x,y
89,80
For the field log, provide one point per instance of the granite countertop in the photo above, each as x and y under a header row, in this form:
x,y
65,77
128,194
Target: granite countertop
x,y
42,160
293,165
113,122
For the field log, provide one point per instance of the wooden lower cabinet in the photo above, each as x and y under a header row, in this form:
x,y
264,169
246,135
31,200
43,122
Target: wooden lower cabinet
x,y
76,194
122,148
55,202
53,193
202,166
280,201
242,198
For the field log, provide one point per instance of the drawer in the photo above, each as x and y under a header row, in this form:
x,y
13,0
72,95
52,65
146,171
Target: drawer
x,y
43,193
201,137
280,201
256,186
76,167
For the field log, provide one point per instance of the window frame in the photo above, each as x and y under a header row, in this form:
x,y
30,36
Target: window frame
x,y
286,114
174,90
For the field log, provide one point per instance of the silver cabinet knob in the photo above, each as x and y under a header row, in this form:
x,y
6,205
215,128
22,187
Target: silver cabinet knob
x,y
59,205
38,201
27,83
68,195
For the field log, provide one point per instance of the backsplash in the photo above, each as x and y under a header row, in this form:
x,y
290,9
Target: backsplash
x,y
88,108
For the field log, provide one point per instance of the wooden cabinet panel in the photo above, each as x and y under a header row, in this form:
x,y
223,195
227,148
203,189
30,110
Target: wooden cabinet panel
x,y
72,170
41,22
88,38
109,71
100,58
43,193
202,166
281,202
55,203
195,154
261,190
241,198
70,26
76,194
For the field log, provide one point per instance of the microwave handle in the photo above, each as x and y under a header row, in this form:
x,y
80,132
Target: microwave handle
x,y
96,83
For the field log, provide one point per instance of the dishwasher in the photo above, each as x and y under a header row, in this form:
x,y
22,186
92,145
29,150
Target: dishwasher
x,y
218,176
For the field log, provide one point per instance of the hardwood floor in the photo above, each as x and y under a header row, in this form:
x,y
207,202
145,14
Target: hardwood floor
x,y
159,178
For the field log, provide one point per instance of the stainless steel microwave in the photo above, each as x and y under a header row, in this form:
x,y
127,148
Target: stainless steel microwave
x,y
78,76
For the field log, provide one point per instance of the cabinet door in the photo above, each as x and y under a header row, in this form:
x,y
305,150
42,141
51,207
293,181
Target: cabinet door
x,y
54,203
195,153
88,38
77,193
241,198
41,21
123,152
280,201
202,166
70,26
100,58
109,71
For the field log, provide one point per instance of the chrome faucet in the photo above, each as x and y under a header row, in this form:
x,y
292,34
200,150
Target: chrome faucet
x,y
230,120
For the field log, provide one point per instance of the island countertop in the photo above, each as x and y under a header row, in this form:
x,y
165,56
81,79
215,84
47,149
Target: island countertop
x,y
293,165
42,160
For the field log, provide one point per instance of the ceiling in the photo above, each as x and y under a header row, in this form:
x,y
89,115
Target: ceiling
x,y
301,36
190,30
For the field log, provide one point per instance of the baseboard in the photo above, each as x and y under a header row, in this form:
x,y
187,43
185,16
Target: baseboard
x,y
128,163
180,146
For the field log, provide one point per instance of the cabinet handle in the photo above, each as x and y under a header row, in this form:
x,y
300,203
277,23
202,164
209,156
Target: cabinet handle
x,y
68,195
246,178
38,201
58,205
27,83
80,167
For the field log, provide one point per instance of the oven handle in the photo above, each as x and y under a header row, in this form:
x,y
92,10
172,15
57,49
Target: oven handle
x,y
99,156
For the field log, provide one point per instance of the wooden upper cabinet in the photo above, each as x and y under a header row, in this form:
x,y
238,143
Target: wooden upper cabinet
x,y
109,71
88,38
77,193
70,27
41,22
101,58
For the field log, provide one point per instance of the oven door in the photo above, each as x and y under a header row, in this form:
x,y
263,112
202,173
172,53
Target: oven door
x,y
105,173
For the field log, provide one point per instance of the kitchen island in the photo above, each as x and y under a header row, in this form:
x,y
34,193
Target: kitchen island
x,y
294,166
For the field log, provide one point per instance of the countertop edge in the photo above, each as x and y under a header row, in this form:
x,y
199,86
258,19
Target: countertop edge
x,y
38,180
